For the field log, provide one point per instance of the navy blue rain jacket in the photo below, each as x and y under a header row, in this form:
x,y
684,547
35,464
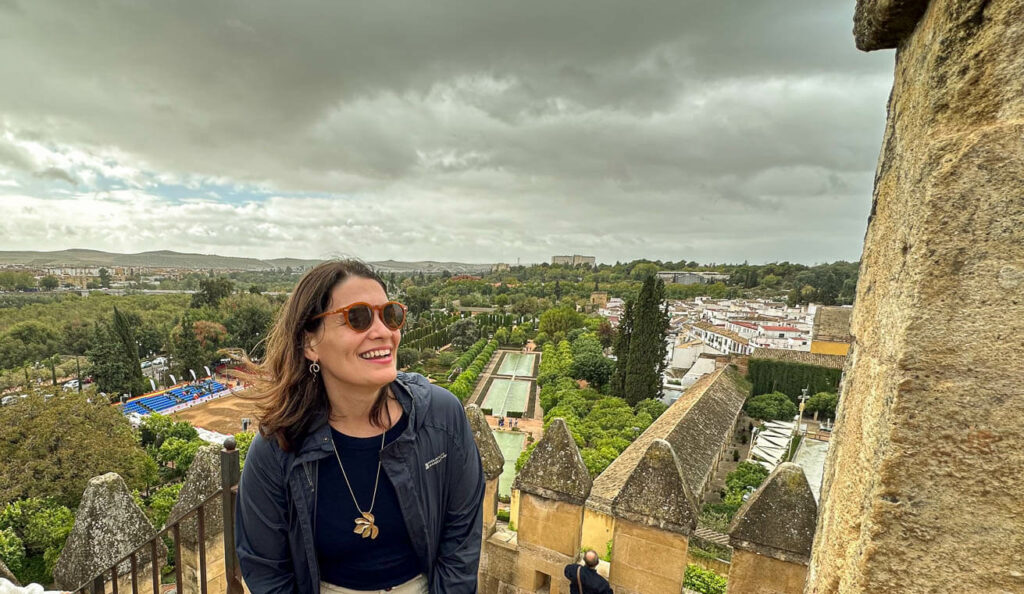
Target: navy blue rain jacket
x,y
434,466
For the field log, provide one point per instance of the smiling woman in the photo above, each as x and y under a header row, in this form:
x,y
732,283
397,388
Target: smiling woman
x,y
362,478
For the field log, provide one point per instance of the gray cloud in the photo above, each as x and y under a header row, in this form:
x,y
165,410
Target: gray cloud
x,y
707,130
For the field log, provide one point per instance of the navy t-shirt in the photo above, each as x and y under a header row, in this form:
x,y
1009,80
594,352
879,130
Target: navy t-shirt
x,y
346,558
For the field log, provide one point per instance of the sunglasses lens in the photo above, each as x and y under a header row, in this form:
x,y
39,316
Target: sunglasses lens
x,y
360,317
393,316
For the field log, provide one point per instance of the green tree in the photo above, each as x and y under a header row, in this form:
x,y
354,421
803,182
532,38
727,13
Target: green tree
x,y
823,403
178,454
161,502
621,349
211,291
104,278
501,335
27,342
242,443
49,282
109,365
464,333
595,368
51,448
186,350
643,271
605,333
42,525
704,581
12,551
11,280
771,407
560,319
650,406
124,331
646,360
517,337
156,428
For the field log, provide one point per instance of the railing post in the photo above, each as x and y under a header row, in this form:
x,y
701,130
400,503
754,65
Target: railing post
x,y
229,472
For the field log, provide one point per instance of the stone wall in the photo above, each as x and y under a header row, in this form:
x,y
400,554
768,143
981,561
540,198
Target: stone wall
x,y
921,490
108,527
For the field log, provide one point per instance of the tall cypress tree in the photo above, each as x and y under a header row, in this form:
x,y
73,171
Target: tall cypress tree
x,y
124,332
188,353
623,337
646,358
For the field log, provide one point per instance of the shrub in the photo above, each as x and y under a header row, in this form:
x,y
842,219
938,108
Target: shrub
x,y
503,515
703,580
771,407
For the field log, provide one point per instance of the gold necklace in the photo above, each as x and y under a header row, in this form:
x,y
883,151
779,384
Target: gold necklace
x,y
365,523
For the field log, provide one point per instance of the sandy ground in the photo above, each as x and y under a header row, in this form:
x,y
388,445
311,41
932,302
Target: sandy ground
x,y
223,415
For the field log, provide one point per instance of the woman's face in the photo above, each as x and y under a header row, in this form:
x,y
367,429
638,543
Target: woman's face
x,y
352,360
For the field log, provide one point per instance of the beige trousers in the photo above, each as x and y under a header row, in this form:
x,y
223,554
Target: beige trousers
x,y
417,585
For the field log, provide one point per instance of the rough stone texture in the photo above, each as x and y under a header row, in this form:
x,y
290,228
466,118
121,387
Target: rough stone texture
x,y
882,24
202,480
832,324
108,526
490,453
7,575
697,425
750,573
555,469
922,483
778,520
807,358
646,559
550,524
656,495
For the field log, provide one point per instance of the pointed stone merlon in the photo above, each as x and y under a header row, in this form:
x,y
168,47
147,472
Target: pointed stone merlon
x,y
655,514
201,481
490,453
772,533
108,526
882,24
655,493
555,469
548,497
493,463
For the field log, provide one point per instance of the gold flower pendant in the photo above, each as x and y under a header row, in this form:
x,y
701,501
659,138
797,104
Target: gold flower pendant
x,y
365,527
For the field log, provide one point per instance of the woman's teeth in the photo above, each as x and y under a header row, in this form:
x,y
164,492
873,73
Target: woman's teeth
x,y
378,354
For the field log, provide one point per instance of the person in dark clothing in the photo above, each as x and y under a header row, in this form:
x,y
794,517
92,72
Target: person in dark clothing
x,y
587,576
360,478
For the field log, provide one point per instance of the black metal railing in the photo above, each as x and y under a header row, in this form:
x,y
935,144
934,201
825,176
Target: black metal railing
x,y
229,473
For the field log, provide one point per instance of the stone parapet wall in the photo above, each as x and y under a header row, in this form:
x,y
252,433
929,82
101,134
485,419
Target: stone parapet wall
x,y
921,487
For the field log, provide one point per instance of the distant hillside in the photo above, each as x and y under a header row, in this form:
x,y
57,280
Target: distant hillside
x,y
169,259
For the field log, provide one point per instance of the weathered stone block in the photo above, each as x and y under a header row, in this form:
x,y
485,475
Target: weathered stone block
x,y
882,24
647,559
108,526
550,524
750,573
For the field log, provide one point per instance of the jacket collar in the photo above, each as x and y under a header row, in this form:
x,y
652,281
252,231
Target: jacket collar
x,y
412,392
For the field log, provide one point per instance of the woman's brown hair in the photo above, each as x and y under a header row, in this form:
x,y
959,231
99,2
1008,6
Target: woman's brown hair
x,y
290,398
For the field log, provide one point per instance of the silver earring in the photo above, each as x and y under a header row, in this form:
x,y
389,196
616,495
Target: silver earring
x,y
314,368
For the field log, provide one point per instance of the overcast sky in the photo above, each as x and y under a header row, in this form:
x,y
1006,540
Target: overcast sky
x,y
476,131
